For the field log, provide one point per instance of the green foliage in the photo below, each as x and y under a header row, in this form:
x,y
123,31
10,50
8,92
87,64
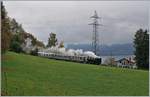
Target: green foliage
x,y
16,43
61,45
32,75
36,42
15,27
33,41
40,44
52,41
5,30
13,35
18,37
141,44
15,46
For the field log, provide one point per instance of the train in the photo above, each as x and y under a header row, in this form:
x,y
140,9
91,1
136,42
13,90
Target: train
x,y
75,58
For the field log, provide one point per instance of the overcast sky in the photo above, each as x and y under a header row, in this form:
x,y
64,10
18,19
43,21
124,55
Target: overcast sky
x,y
70,19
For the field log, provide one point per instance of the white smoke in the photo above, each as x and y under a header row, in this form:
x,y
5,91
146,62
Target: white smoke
x,y
89,53
69,52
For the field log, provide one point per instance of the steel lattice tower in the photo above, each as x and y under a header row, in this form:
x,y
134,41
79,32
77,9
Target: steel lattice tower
x,y
95,38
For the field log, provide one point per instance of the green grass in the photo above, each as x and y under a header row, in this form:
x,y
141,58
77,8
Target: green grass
x,y
31,75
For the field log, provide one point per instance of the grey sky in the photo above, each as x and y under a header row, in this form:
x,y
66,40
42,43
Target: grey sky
x,y
70,19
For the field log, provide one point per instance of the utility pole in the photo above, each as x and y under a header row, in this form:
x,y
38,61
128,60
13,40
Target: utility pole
x,y
95,38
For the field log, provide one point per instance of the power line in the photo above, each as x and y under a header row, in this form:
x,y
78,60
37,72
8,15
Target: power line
x,y
95,38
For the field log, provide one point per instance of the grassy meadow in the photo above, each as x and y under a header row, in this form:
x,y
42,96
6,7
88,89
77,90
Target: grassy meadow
x,y
32,75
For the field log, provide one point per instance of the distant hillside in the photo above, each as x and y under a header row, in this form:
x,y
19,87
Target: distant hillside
x,y
115,49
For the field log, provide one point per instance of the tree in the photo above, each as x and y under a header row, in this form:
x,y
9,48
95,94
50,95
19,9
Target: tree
x,y
13,26
13,35
16,43
5,29
52,41
141,44
34,40
16,47
40,43
61,45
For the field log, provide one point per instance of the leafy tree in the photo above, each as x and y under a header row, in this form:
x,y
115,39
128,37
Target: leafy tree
x,y
16,47
61,45
16,28
16,43
40,44
34,41
13,35
52,41
13,26
5,29
141,44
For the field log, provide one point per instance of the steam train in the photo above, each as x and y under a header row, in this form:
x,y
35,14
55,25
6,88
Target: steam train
x,y
80,59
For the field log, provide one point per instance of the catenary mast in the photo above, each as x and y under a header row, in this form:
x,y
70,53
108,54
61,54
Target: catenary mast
x,y
95,38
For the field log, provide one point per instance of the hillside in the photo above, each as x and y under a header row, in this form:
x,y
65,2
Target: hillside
x,y
31,75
